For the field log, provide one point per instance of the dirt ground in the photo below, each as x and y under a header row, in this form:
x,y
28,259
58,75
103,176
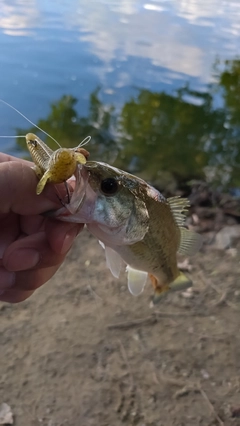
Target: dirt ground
x,y
84,352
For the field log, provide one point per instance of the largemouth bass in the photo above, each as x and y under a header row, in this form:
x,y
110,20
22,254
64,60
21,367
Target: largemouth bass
x,y
135,224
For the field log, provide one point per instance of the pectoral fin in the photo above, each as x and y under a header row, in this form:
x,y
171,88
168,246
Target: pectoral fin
x,y
114,261
136,280
180,283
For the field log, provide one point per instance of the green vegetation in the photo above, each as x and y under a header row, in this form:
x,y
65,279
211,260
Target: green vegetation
x,y
159,133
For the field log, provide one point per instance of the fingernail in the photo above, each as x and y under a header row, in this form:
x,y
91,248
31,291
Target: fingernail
x,y
22,259
68,240
7,279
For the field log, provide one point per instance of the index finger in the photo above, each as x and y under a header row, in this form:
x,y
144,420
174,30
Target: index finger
x,y
5,158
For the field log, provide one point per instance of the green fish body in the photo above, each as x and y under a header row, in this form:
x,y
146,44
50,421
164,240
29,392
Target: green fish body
x,y
135,224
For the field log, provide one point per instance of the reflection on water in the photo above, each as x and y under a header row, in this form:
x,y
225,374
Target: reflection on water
x,y
167,33
19,17
167,100
70,128
158,132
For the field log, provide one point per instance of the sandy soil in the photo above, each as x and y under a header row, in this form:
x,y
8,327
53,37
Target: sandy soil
x,y
84,352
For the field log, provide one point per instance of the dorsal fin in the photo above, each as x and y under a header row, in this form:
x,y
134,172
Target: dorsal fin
x,y
179,206
190,242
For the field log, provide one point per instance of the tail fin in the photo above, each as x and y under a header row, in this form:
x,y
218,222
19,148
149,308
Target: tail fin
x,y
180,283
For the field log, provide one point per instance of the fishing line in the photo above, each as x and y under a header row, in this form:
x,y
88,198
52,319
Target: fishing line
x,y
20,136
12,136
84,142
15,109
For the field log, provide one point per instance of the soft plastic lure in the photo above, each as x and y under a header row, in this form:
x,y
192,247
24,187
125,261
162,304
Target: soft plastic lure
x,y
54,166
51,166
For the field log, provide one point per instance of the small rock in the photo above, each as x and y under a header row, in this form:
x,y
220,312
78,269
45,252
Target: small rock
x,y
188,294
185,265
232,252
6,416
205,374
235,411
195,219
226,236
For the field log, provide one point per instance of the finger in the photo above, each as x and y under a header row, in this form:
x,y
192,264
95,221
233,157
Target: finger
x,y
7,279
46,248
9,231
61,235
32,224
18,190
15,296
26,283
5,158
30,252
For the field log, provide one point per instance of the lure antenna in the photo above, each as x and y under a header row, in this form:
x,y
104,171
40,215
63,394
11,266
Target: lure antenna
x,y
8,137
85,141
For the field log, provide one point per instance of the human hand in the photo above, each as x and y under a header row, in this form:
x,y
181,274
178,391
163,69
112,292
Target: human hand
x,y
32,247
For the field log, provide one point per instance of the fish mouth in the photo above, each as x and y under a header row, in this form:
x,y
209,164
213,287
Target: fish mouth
x,y
79,184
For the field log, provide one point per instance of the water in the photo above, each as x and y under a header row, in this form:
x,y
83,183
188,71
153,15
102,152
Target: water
x,y
148,80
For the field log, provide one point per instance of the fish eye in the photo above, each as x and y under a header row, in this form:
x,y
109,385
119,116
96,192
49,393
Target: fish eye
x,y
109,186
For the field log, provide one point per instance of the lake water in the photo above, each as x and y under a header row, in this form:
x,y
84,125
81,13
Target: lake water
x,y
155,83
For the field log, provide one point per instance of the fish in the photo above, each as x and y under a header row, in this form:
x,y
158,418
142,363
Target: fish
x,y
54,166
135,224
